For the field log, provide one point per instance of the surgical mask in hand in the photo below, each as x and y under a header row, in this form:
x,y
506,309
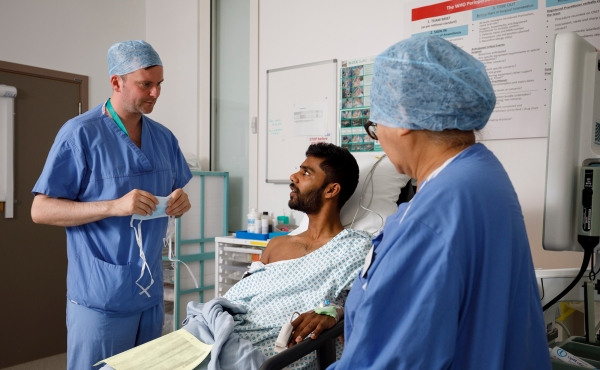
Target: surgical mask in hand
x,y
161,210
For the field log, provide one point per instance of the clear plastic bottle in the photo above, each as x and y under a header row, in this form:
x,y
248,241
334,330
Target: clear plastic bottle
x,y
253,222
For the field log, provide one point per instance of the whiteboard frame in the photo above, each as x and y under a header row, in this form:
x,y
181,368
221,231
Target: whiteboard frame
x,y
334,135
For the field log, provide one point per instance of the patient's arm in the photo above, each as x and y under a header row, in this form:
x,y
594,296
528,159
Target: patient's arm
x,y
311,322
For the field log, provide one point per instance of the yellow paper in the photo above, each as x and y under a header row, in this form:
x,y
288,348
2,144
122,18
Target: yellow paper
x,y
177,351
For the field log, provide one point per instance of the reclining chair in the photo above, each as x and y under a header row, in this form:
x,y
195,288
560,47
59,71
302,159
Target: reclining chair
x,y
325,343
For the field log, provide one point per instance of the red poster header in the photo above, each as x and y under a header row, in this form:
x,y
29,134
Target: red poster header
x,y
453,6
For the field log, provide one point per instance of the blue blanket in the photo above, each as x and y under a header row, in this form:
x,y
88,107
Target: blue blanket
x,y
212,323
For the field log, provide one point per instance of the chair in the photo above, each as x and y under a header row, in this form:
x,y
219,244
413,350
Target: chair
x,y
324,345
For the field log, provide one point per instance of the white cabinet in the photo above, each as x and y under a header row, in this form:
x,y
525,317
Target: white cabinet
x,y
234,257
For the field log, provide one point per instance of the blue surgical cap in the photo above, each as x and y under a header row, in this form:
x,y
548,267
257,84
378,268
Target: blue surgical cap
x,y
129,56
428,83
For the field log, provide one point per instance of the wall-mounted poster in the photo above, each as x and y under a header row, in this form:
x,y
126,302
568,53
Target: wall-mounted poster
x,y
355,91
514,39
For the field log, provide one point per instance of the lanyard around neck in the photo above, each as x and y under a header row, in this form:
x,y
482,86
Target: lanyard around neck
x,y
115,117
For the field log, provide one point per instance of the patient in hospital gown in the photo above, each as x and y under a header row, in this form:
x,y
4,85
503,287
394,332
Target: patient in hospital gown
x,y
296,273
273,292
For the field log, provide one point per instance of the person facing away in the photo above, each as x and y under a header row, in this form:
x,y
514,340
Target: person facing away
x,y
297,273
105,166
450,282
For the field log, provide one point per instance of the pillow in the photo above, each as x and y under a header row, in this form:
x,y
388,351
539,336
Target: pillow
x,y
380,196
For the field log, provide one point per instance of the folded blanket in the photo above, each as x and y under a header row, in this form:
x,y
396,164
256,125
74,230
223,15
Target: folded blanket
x,y
212,323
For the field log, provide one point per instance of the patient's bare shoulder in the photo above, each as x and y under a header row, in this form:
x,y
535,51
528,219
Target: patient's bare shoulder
x,y
273,249
287,247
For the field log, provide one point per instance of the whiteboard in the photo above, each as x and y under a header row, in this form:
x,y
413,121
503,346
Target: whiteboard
x,y
301,110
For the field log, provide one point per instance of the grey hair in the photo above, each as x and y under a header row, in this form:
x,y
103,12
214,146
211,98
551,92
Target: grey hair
x,y
452,138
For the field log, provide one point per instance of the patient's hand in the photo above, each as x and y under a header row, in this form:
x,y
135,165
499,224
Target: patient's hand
x,y
307,323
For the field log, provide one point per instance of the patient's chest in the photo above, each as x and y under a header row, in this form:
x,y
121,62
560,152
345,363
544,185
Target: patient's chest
x,y
296,247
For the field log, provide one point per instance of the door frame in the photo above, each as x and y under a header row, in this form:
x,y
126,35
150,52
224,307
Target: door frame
x,y
83,81
253,104
52,261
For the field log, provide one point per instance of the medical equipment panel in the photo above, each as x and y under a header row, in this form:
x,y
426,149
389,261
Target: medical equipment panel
x,y
234,257
573,135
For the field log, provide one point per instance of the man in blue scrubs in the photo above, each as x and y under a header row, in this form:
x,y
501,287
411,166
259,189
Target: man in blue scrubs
x,y
450,282
106,165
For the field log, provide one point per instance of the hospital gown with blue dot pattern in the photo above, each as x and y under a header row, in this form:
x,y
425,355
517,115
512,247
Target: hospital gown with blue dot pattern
x,y
273,292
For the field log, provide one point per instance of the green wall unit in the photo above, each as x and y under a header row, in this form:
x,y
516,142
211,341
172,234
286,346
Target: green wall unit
x,y
194,244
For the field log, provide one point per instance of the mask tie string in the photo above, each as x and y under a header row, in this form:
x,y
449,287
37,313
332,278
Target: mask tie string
x,y
168,240
138,238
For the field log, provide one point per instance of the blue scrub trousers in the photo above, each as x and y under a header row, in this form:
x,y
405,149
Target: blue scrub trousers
x,y
93,336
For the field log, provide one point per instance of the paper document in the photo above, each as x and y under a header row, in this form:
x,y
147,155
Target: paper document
x,y
179,350
310,119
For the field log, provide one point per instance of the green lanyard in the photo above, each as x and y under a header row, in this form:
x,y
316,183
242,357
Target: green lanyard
x,y
115,116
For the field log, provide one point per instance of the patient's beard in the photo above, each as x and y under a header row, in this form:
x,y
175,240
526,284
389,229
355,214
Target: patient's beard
x,y
309,203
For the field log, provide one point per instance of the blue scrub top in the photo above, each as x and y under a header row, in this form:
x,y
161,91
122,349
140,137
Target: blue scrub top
x,y
452,285
93,160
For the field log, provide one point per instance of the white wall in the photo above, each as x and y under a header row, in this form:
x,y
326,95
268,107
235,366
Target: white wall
x,y
294,33
74,36
69,35
173,32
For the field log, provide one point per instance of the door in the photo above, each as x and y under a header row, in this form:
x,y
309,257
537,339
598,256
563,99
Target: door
x,y
33,275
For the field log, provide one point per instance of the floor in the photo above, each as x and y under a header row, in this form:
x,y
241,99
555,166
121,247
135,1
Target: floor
x,y
58,362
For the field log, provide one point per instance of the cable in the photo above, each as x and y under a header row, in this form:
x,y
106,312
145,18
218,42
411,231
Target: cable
x,y
368,181
378,215
586,260
597,328
592,274
564,328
